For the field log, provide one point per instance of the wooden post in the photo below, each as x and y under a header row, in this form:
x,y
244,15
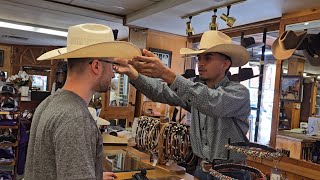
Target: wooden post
x,y
295,67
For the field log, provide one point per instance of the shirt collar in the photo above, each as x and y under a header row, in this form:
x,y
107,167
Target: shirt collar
x,y
223,82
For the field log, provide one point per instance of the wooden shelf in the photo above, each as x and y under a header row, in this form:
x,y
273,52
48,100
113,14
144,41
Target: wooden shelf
x,y
9,112
9,127
9,144
8,163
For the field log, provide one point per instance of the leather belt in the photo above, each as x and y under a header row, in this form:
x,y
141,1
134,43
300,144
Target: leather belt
x,y
206,166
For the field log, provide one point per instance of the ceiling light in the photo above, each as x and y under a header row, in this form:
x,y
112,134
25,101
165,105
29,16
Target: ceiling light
x,y
118,7
229,20
213,24
306,23
189,29
33,29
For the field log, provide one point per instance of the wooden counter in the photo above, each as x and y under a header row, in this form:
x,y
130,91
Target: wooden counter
x,y
291,168
299,145
297,137
158,172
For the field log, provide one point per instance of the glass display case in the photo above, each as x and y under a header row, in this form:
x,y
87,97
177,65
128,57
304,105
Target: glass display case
x,y
124,161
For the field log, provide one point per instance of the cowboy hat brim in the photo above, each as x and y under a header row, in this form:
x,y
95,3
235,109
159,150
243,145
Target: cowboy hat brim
x,y
255,45
238,54
279,53
313,61
116,49
236,77
102,122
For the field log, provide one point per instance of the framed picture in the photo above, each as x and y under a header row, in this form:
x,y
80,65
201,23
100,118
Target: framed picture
x,y
164,55
291,88
1,58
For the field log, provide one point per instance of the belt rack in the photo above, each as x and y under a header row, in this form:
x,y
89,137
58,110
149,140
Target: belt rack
x,y
170,142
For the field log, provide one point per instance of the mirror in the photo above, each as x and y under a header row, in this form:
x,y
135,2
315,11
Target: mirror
x,y
124,161
300,96
119,91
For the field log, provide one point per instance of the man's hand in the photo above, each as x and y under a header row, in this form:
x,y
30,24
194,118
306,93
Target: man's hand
x,y
124,68
109,176
150,65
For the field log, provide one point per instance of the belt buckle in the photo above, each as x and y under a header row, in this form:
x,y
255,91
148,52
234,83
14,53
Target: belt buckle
x,y
203,165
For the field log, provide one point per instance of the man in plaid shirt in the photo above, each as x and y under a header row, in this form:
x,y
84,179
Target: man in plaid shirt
x,y
219,107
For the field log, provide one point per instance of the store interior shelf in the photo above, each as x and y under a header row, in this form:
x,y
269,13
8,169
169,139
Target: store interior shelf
x,y
8,163
9,144
9,127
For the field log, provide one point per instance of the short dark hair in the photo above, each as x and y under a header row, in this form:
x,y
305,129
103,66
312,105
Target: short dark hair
x,y
78,64
226,58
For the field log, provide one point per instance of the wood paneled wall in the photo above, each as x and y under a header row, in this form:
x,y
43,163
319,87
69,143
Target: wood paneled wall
x,y
7,56
170,42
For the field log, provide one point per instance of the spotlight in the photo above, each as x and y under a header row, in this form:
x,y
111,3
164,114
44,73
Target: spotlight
x,y
229,20
213,25
189,29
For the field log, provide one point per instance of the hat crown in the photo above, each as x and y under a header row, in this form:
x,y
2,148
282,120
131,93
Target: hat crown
x,y
88,34
213,38
247,41
246,72
290,40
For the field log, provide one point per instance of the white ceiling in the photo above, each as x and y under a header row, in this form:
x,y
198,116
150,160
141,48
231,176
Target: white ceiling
x,y
162,15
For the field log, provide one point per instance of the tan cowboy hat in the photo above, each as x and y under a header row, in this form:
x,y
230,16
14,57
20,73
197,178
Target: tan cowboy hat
x,y
216,41
284,46
100,121
92,40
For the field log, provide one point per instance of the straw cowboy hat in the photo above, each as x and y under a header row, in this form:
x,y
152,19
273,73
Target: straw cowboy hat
x,y
92,41
100,121
311,49
244,74
216,41
250,42
284,46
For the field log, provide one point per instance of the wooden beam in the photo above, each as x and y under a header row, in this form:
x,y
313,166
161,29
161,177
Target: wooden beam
x,y
153,9
253,28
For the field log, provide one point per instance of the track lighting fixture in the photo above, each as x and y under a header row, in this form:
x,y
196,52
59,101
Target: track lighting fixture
x,y
189,29
213,24
229,20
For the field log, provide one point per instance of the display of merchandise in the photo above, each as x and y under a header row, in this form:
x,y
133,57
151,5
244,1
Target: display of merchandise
x,y
215,171
255,150
249,149
9,132
174,143
6,175
147,134
166,142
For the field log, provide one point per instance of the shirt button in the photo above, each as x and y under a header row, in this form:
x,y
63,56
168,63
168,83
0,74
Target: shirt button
x,y
189,100
175,89
206,144
203,128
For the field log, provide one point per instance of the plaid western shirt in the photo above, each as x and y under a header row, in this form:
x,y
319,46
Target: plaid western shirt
x,y
218,113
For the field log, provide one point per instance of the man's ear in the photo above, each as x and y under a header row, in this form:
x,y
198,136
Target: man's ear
x,y
95,66
226,64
